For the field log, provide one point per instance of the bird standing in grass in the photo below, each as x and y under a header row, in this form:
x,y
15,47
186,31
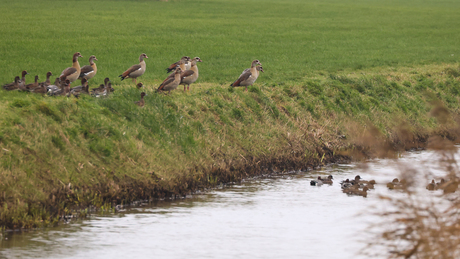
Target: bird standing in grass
x,y
190,76
171,83
72,73
249,75
141,102
89,71
135,71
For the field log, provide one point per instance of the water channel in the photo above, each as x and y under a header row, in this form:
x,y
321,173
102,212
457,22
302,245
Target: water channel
x,y
274,217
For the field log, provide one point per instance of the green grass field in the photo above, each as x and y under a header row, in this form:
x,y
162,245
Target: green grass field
x,y
332,69
292,38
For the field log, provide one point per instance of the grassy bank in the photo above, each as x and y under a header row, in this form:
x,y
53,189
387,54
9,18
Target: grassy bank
x,y
334,87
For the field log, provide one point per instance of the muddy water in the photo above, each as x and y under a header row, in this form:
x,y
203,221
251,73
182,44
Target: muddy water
x,y
276,217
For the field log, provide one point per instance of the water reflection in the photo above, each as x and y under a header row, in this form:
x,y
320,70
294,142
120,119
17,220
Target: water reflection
x,y
275,217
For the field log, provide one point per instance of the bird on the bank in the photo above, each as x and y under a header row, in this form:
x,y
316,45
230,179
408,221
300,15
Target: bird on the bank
x,y
14,85
89,71
139,85
23,78
249,75
141,102
47,82
184,64
51,89
83,88
171,83
72,73
33,85
100,91
135,71
191,75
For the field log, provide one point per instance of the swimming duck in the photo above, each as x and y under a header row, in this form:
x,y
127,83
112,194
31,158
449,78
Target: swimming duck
x,y
346,184
317,182
396,184
328,180
431,186
356,191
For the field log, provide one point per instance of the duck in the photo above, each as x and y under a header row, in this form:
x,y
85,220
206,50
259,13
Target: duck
x,y
431,186
23,78
190,76
328,180
100,91
450,186
41,89
135,71
64,88
83,88
184,63
396,184
33,85
249,75
141,102
14,85
346,184
54,87
89,71
356,191
139,85
171,83
316,182
110,88
47,82
72,73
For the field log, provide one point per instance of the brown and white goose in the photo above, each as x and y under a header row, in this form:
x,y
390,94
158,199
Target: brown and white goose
x,y
14,85
171,83
72,73
190,76
135,71
89,71
141,102
184,65
249,75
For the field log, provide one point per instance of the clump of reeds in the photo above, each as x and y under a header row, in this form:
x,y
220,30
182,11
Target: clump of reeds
x,y
421,223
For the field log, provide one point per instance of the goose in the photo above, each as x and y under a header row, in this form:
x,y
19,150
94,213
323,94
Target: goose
x,y
141,102
89,71
171,83
185,60
135,71
72,73
249,75
190,76
14,85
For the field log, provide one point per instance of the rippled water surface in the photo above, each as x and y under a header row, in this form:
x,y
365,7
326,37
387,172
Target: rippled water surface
x,y
276,217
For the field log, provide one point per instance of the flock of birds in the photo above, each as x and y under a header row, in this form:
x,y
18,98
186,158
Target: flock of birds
x,y
359,187
184,72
